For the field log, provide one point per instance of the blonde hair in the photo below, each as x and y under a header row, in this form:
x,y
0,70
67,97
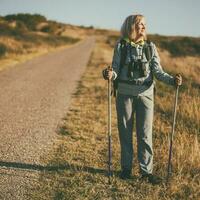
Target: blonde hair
x,y
128,29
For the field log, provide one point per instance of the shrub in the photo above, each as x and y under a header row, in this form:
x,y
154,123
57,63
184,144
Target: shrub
x,y
3,49
52,27
29,20
20,26
46,29
10,31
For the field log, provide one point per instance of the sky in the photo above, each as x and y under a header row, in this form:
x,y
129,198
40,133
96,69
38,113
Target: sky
x,y
164,17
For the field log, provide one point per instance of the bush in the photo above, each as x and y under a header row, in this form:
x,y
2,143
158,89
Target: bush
x,y
29,20
50,28
3,49
5,29
46,29
21,27
10,31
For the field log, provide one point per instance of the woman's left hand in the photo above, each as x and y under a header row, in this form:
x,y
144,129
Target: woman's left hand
x,y
178,79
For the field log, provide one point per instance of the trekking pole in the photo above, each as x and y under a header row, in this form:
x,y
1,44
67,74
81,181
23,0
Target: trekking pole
x,y
109,131
169,167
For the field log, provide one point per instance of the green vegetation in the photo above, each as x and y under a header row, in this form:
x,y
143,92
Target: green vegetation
x,y
30,21
7,30
86,27
2,50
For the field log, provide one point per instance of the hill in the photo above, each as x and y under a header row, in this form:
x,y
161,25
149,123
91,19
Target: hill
x,y
24,36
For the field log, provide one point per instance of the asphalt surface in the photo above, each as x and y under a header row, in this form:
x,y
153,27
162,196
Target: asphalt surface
x,y
34,96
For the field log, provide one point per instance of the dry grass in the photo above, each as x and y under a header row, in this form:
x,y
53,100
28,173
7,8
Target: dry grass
x,y
76,32
80,154
188,66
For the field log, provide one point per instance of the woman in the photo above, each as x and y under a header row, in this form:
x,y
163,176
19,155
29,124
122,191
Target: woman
x,y
135,63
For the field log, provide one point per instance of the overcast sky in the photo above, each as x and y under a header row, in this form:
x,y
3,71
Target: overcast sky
x,y
165,17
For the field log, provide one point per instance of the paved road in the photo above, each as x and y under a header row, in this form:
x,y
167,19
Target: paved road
x,y
34,97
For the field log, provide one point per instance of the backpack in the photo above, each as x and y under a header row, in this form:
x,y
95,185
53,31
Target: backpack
x,y
148,51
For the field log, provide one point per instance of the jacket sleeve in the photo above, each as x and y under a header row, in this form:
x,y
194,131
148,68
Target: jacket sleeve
x,y
116,60
157,70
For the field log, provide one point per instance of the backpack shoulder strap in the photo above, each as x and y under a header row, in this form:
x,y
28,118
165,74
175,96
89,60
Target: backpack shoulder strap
x,y
148,49
123,45
123,52
149,55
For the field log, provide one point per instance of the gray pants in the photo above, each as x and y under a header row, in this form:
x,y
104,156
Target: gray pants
x,y
126,107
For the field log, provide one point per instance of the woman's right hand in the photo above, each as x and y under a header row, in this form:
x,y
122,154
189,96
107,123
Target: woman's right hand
x,y
107,73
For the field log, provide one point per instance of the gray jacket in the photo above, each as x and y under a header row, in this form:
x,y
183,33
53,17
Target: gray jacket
x,y
152,67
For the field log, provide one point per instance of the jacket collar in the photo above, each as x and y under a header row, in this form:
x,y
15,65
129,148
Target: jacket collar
x,y
141,42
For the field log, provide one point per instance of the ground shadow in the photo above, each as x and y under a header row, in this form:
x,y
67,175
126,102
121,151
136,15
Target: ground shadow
x,y
53,168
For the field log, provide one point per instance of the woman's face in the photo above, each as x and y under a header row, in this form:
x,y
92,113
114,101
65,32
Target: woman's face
x,y
141,28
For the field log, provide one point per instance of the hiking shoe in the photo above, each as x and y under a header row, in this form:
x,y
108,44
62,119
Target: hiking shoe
x,y
125,174
154,180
